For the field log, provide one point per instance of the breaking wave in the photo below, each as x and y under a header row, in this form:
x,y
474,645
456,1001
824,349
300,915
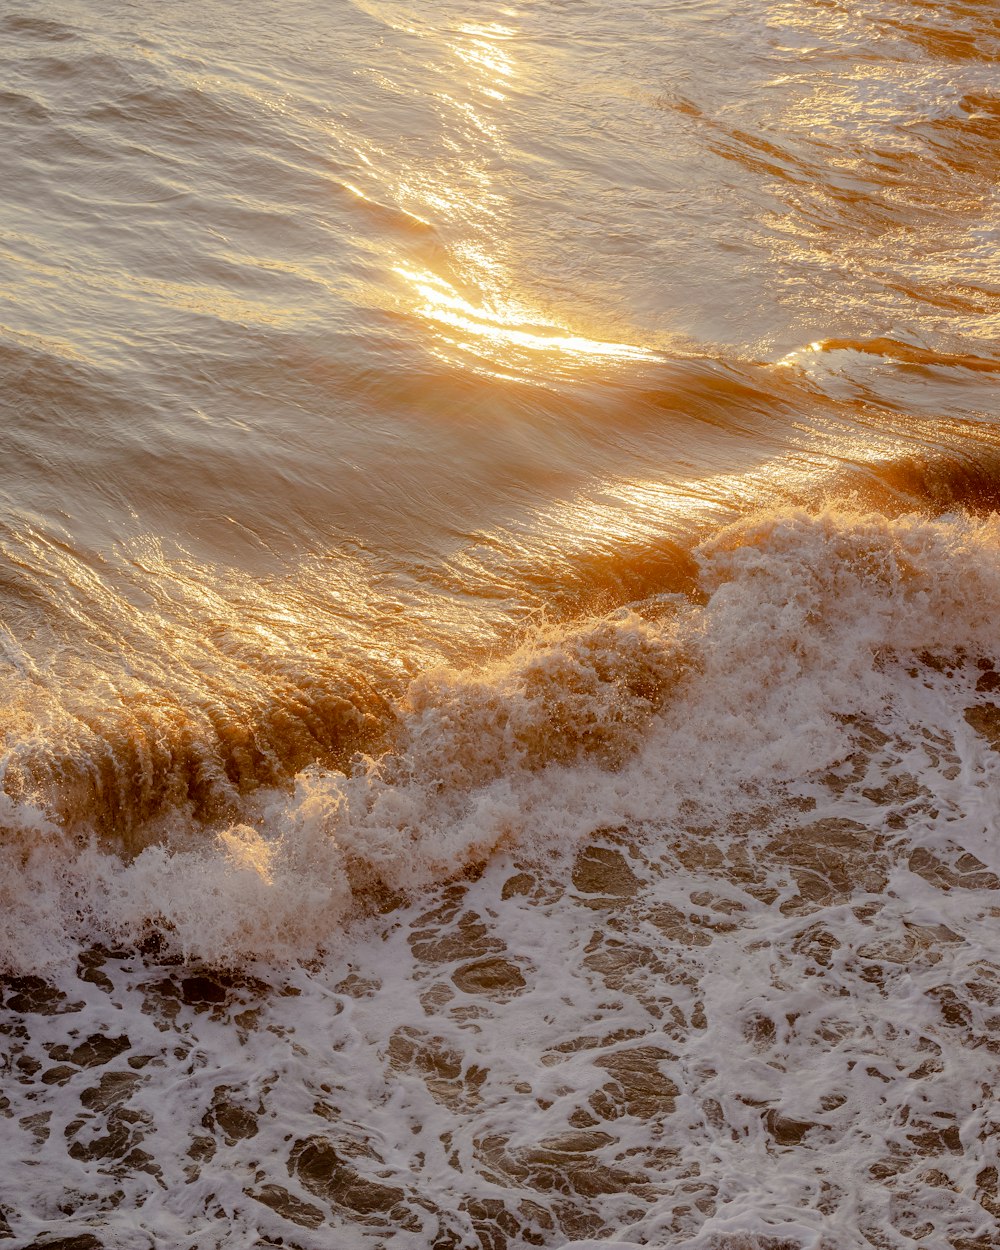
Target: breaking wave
x,y
802,625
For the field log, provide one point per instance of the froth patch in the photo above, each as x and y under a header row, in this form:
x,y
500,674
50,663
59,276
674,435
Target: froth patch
x,y
734,984
587,693
901,583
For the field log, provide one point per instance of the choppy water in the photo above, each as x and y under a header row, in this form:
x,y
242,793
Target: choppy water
x,y
499,599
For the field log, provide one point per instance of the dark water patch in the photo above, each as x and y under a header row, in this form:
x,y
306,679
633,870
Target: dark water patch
x,y
78,1241
32,26
184,114
940,483
603,576
968,140
954,31
603,871
286,1205
19,109
898,352
34,995
81,74
93,1052
46,378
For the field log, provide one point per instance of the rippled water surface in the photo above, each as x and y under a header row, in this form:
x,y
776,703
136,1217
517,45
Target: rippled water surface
x,y
499,588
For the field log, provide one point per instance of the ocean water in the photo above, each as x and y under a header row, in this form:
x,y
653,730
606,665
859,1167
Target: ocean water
x,y
500,625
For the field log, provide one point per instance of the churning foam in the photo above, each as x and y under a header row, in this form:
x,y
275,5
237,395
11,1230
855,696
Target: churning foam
x,y
676,927
805,623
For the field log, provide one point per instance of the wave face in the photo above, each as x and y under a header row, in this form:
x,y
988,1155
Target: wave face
x,y
499,588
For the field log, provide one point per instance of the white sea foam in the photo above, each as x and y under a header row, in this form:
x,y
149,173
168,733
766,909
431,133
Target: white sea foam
x,y
729,976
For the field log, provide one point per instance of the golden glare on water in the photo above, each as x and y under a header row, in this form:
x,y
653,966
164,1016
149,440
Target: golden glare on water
x,y
472,319
482,50
499,334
